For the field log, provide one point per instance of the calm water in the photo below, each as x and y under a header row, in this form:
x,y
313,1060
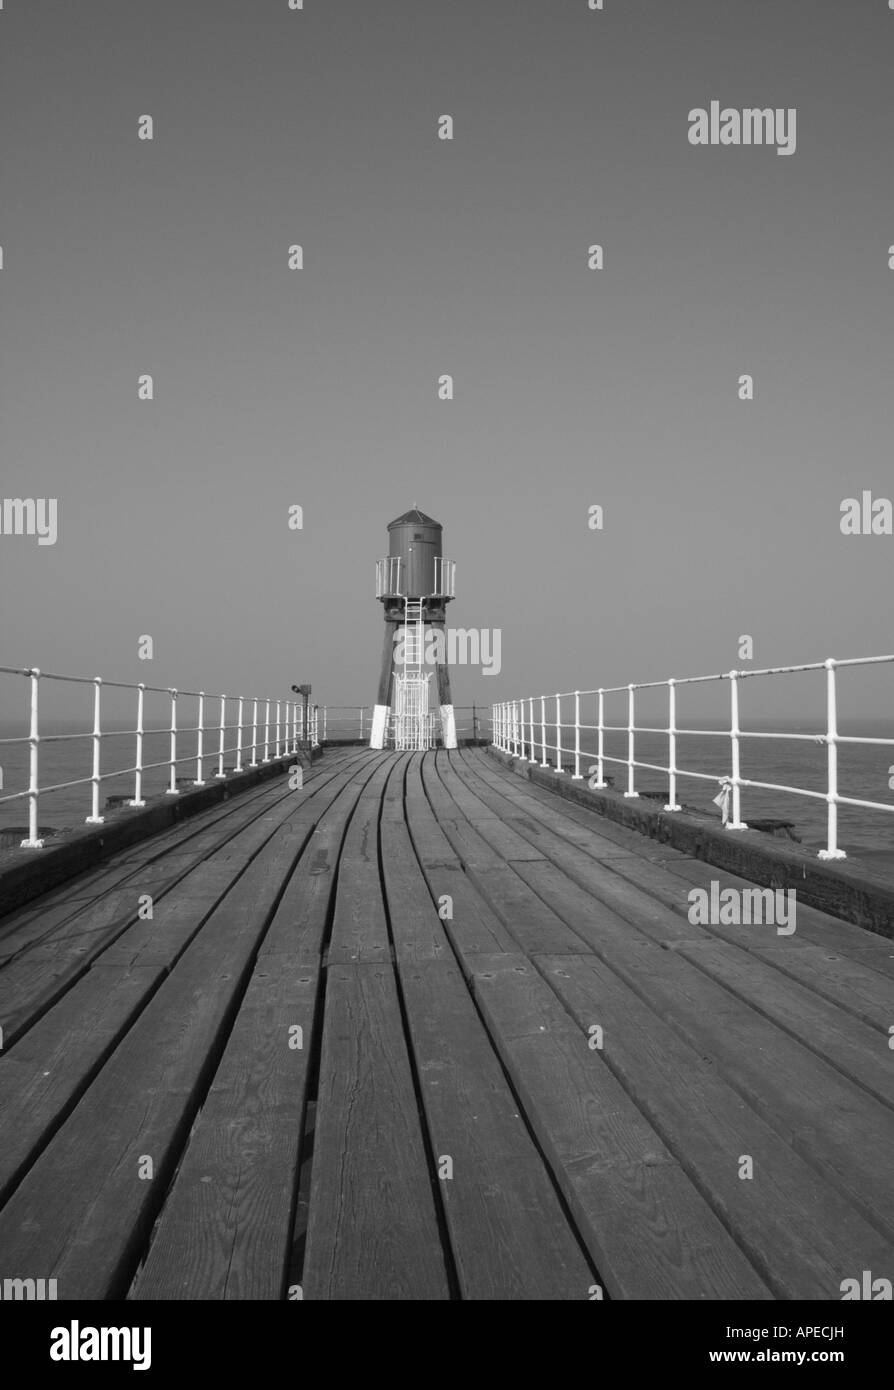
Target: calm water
x,y
863,772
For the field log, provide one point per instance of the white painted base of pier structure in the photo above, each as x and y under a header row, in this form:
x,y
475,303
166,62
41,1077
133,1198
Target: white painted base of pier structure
x,y
379,726
448,726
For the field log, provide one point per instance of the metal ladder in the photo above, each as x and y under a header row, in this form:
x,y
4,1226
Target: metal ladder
x,y
412,724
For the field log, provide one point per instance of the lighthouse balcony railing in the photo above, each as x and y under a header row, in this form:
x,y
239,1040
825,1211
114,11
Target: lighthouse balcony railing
x,y
391,578
445,578
133,739
567,731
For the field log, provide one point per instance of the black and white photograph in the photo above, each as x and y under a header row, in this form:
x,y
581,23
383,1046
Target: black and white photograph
x,y
446,671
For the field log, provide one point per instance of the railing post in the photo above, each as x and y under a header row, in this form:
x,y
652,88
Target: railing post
x,y
631,731
362,712
254,735
559,767
736,822
95,818
222,737
32,841
600,745
672,745
832,851
576,775
266,757
325,722
515,732
172,789
199,781
543,762
239,736
138,773
278,745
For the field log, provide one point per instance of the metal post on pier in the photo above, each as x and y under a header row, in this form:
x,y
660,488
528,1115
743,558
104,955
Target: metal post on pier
x,y
576,775
172,789
559,767
631,730
736,822
239,736
199,781
831,851
600,749
543,731
254,735
95,818
672,746
137,799
32,841
221,739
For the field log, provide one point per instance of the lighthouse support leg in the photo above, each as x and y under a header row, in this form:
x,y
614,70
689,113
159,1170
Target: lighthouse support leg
x,y
386,681
448,719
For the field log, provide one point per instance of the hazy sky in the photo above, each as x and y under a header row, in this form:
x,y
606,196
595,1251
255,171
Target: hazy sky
x,y
319,387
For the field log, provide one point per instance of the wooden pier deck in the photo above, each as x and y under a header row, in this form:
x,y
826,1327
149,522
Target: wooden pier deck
x,y
355,1053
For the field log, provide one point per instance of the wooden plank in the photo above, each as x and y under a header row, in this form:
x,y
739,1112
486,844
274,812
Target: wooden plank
x,y
33,923
479,834
515,897
372,1228
43,1079
417,930
225,1229
846,1043
360,928
82,1213
299,923
649,1232
810,1105
430,842
510,1237
604,839
819,928
708,1127
34,981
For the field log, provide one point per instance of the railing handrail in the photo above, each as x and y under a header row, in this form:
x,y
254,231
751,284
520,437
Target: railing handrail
x,y
515,730
277,726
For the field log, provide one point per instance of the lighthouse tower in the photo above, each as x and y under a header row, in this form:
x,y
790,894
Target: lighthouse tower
x,y
414,584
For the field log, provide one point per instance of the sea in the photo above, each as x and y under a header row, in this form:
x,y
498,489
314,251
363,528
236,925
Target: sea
x,y
865,771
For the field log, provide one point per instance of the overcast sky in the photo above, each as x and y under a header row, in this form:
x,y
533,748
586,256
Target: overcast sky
x,y
318,387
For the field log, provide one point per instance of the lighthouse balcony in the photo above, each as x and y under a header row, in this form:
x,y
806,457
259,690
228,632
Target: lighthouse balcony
x,y
392,579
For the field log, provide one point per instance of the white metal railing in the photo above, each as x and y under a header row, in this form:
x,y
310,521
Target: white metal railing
x,y
388,576
277,729
445,577
391,578
520,728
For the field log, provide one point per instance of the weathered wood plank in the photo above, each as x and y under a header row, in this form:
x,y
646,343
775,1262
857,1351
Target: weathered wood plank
x,y
649,1232
803,1238
224,1232
83,1211
847,1044
372,1229
510,1237
360,928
